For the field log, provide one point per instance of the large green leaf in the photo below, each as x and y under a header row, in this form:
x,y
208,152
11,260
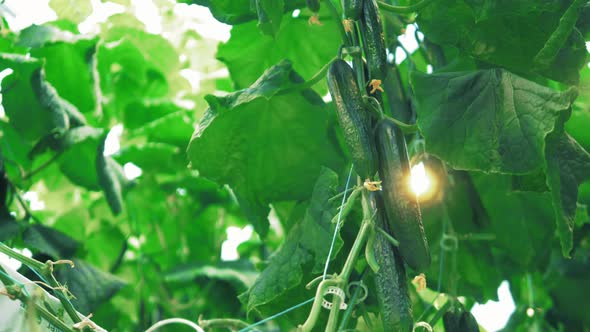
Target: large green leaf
x,y
78,160
304,251
505,33
238,11
487,120
91,286
19,99
266,145
49,241
73,10
523,222
270,14
567,166
309,47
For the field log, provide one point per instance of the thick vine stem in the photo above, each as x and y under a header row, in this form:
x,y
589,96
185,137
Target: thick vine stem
x,y
16,292
45,270
317,304
404,9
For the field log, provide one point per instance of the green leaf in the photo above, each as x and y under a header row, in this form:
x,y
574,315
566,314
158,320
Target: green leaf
x,y
273,144
73,10
9,228
240,274
523,222
239,11
487,120
153,157
173,128
567,166
507,34
49,241
304,250
157,51
71,60
38,36
19,99
270,13
309,48
91,286
79,158
143,111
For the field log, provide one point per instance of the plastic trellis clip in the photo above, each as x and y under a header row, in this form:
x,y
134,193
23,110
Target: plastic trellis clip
x,y
364,289
337,291
449,242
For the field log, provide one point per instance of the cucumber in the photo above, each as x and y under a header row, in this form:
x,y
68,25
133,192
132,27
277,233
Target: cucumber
x,y
390,281
352,9
401,204
459,319
353,118
373,40
313,5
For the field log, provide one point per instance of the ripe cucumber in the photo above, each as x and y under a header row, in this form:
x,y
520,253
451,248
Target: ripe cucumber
x,y
401,204
373,40
354,119
352,9
390,281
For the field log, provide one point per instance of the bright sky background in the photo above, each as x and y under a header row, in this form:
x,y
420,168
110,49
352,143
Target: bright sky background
x,y
491,315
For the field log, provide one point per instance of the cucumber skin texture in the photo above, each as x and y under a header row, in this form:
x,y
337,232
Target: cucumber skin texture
x,y
390,281
373,40
401,205
352,9
353,118
313,5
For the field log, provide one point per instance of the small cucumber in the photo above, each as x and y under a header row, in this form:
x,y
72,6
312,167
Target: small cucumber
x,y
352,9
313,5
390,280
353,117
373,40
401,204
459,319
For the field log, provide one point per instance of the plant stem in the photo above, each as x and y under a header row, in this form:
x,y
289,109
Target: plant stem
x,y
321,74
28,212
45,271
336,17
440,313
30,262
342,193
404,9
42,166
43,312
352,303
229,323
558,38
360,238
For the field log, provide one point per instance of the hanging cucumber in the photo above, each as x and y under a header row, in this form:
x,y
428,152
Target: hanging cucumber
x,y
353,117
459,319
401,204
390,279
373,40
352,9
313,5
